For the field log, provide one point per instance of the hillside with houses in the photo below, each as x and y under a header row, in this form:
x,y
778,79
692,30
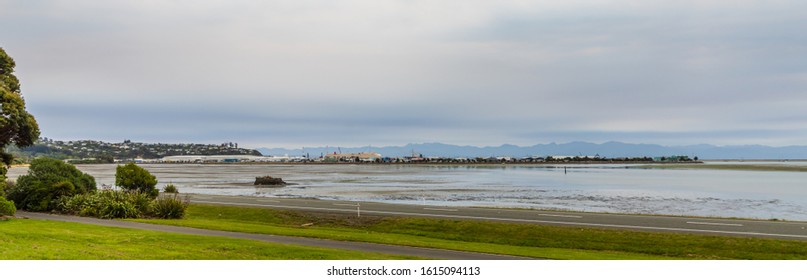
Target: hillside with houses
x,y
100,151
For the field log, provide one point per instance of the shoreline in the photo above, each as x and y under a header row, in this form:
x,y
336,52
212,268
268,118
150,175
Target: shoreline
x,y
420,163
535,210
757,228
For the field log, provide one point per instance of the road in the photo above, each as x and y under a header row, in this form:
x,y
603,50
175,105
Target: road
x,y
692,225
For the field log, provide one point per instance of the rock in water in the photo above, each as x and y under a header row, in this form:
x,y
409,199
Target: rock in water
x,y
269,181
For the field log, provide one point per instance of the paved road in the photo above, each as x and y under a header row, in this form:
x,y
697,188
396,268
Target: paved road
x,y
727,227
344,245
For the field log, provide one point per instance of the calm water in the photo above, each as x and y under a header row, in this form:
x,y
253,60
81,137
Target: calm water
x,y
601,188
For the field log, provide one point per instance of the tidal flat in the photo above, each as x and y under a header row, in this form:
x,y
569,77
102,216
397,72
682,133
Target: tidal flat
x,y
754,190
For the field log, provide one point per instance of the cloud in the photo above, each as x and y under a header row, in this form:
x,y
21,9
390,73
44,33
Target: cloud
x,y
464,72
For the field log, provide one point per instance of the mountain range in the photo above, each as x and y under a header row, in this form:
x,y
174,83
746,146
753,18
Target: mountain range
x,y
608,149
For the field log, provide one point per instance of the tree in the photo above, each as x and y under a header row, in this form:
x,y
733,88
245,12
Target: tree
x,y
48,180
131,177
17,126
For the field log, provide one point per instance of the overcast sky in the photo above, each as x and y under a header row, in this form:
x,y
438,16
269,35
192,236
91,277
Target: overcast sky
x,y
354,73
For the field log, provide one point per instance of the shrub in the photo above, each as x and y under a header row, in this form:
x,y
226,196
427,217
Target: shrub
x,y
112,204
3,181
118,209
80,204
7,207
153,193
118,204
131,177
107,204
5,187
46,182
170,188
142,201
169,207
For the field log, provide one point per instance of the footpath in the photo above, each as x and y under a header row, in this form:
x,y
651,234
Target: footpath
x,y
344,245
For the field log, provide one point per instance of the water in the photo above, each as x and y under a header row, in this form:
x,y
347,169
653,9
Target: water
x,y
598,188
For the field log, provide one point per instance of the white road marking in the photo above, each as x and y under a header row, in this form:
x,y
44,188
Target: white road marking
x,y
715,224
515,220
441,209
266,200
562,216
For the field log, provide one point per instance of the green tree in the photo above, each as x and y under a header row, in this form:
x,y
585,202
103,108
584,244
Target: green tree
x,y
17,126
48,180
131,177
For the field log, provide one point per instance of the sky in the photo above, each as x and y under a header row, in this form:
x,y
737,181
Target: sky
x,y
355,73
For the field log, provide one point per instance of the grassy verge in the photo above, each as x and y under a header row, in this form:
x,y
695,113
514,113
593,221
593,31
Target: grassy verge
x,y
738,167
490,237
22,239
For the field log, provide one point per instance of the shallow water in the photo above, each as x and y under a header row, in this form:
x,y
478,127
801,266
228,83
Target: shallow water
x,y
601,188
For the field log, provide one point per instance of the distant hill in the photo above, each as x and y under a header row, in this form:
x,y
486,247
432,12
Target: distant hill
x,y
99,151
608,149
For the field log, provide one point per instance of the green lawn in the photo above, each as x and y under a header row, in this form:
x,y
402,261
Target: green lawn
x,y
22,239
540,241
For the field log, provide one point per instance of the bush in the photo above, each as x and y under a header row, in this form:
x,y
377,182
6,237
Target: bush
x,y
46,182
5,187
107,204
3,181
7,207
169,207
170,188
131,177
122,204
118,209
81,204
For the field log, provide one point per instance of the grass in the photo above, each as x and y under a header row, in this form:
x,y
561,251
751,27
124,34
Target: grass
x,y
22,239
553,242
737,167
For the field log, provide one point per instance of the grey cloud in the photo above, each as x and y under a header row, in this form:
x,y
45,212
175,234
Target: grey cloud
x,y
465,72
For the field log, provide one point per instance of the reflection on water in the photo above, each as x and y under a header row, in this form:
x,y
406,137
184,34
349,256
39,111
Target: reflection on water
x,y
601,188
